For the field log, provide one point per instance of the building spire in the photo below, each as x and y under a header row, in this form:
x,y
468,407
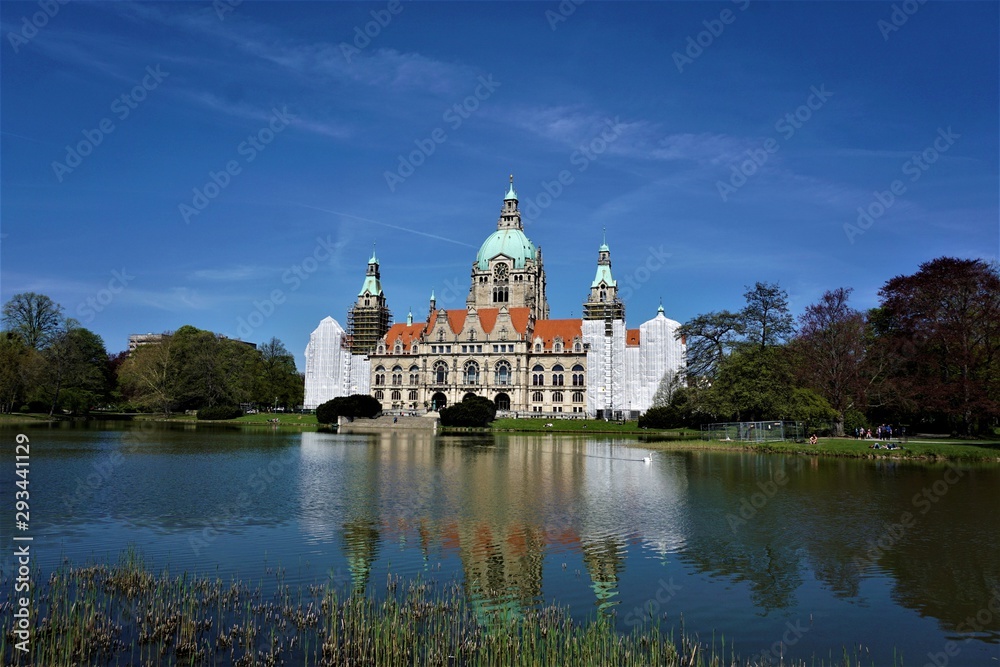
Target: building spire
x,y
374,259
511,193
659,310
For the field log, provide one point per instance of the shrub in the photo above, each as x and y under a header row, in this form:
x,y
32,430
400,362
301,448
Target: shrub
x,y
353,406
220,412
472,411
663,417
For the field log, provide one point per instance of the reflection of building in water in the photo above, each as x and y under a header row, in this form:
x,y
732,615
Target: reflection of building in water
x,y
361,540
498,503
502,566
605,560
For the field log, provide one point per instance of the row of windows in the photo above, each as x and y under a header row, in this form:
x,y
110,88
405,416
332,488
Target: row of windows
x,y
470,374
536,397
557,397
396,395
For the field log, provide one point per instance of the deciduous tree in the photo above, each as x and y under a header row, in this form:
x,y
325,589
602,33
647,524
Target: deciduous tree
x,y
944,326
35,317
829,352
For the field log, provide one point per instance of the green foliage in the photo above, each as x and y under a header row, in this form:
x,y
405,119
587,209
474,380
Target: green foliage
x,y
353,407
475,411
753,384
667,416
854,419
805,405
220,412
192,369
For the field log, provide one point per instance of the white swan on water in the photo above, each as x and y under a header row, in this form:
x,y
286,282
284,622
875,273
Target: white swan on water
x,y
648,459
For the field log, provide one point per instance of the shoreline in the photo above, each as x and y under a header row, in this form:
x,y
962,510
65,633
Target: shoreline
x,y
915,449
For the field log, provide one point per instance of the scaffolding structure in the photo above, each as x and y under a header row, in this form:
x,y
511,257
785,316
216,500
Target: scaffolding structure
x,y
612,309
769,431
366,325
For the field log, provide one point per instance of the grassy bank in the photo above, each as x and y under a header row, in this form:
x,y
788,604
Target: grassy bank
x,y
124,614
589,426
914,449
690,439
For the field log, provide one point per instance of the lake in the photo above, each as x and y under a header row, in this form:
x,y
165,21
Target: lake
x,y
781,555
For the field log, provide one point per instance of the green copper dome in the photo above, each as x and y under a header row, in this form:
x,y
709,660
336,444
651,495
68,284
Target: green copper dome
x,y
509,242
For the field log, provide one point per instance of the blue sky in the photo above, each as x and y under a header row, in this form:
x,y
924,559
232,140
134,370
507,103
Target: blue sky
x,y
288,122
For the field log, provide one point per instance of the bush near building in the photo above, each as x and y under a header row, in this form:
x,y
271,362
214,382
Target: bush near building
x,y
472,411
352,407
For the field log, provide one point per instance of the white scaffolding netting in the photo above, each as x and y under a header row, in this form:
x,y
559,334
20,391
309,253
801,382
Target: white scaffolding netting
x,y
624,378
331,369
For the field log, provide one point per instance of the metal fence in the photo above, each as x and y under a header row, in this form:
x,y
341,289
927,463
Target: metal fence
x,y
771,431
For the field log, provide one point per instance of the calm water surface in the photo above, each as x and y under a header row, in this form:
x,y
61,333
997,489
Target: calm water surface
x,y
791,554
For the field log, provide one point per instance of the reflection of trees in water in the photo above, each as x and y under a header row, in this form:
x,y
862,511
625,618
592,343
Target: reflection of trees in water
x,y
945,568
605,560
841,519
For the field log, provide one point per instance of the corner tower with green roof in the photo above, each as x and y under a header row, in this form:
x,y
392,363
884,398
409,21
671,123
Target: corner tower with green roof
x,y
508,270
369,317
603,302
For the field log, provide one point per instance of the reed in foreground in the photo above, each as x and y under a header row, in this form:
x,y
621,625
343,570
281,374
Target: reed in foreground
x,y
125,615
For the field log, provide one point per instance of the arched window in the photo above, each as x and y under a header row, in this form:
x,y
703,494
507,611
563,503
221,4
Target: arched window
x,y
578,397
578,347
538,347
502,375
557,397
500,294
441,373
578,375
397,375
537,376
557,375
471,374
414,374
603,295
537,397
412,396
557,346
398,349
502,401
396,395
379,394
380,375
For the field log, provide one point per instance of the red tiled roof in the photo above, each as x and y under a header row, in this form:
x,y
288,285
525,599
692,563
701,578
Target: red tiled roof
x,y
519,319
548,330
632,337
488,318
405,333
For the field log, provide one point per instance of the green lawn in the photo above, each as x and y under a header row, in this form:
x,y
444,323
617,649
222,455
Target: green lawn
x,y
848,447
587,426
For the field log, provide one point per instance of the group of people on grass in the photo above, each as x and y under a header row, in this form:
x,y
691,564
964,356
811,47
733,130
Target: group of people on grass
x,y
883,432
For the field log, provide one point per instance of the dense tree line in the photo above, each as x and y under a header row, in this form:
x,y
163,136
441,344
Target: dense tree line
x,y
49,363
927,356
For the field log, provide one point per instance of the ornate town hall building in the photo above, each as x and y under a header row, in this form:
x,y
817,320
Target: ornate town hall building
x,y
502,345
